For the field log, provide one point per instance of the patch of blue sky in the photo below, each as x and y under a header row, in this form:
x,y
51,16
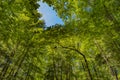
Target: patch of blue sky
x,y
49,15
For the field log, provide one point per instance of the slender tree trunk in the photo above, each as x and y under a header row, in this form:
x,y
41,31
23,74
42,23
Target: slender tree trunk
x,y
70,71
20,64
67,74
106,60
83,66
11,73
61,69
7,65
86,62
95,70
55,71
4,70
116,74
27,74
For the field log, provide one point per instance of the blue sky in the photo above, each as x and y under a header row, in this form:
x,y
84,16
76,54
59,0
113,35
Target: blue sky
x,y
49,15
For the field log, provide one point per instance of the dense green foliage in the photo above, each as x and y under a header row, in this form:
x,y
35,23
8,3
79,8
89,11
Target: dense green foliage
x,y
19,19
86,47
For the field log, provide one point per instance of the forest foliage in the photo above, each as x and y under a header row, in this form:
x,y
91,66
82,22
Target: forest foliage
x,y
86,47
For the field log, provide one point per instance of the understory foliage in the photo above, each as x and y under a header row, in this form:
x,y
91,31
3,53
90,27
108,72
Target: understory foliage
x,y
86,47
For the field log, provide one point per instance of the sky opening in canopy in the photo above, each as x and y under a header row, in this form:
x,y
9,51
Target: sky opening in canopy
x,y
49,15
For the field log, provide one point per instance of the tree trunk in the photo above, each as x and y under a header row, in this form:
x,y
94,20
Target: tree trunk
x,y
86,62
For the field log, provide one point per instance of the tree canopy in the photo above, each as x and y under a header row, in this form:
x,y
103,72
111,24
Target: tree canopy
x,y
86,47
